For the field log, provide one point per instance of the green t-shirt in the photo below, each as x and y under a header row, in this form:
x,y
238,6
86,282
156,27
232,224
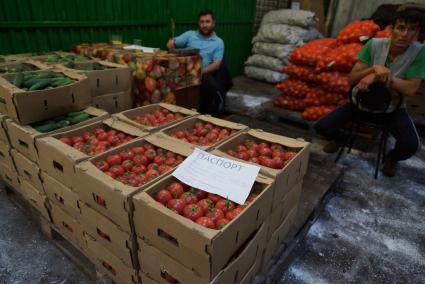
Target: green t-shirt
x,y
416,69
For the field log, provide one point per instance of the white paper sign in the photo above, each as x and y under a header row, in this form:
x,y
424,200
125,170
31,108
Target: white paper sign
x,y
227,178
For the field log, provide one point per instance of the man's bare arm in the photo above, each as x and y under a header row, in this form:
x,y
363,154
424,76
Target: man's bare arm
x,y
212,67
171,43
359,71
405,87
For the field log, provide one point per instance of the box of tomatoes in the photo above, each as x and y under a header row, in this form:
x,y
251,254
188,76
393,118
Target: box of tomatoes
x,y
204,131
200,230
156,116
108,180
281,158
60,152
157,265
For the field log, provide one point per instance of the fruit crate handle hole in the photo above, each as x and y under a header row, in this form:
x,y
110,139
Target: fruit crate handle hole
x,y
168,237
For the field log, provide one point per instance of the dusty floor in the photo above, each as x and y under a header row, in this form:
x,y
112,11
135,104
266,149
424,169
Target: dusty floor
x,y
371,231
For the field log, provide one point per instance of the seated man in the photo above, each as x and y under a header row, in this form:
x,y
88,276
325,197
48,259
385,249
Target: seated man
x,y
211,47
397,63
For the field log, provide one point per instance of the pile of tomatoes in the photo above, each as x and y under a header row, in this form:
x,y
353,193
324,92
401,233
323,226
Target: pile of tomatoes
x,y
306,73
309,53
290,103
206,209
98,141
341,58
204,134
138,165
157,118
270,155
319,96
316,112
293,88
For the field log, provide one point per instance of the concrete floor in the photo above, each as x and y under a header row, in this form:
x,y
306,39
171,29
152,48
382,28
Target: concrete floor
x,y
371,231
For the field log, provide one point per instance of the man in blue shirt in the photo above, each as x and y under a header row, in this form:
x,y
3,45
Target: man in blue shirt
x,y
211,48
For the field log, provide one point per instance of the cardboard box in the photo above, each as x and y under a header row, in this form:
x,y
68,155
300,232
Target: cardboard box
x,y
68,226
33,65
251,274
3,131
285,178
106,262
114,102
37,199
28,170
281,234
5,155
61,195
59,159
289,202
129,116
155,263
189,124
23,138
108,234
109,196
117,78
10,176
146,279
20,104
202,250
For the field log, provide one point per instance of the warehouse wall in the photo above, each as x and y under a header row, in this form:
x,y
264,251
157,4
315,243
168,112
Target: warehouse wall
x,y
349,11
45,25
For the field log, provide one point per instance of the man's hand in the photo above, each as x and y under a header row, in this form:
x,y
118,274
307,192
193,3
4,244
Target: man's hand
x,y
382,74
364,83
171,43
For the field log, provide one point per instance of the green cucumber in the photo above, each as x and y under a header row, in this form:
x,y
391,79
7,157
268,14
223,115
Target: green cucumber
x,y
46,127
74,113
62,123
79,118
42,84
19,80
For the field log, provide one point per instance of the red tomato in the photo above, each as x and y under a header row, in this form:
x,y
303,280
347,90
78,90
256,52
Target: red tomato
x,y
231,153
151,174
264,161
112,132
277,162
121,135
289,155
159,160
103,166
176,205
127,155
225,205
192,212
176,189
215,214
67,140
127,165
77,139
138,150
153,166
113,140
221,223
163,196
200,194
214,197
102,136
180,134
206,204
138,169
243,156
86,136
110,174
206,222
170,161
189,197
114,160
231,215
117,170
150,154
276,147
265,151
263,145
140,159
241,148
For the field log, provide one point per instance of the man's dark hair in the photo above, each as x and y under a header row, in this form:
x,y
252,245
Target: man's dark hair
x,y
409,16
206,12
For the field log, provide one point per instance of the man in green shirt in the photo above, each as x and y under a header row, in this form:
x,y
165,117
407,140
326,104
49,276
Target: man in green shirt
x,y
395,64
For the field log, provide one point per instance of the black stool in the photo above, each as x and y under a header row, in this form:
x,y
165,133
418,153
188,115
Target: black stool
x,y
372,109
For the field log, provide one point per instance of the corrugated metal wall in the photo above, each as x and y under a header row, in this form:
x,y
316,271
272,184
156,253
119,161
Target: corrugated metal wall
x,y
45,25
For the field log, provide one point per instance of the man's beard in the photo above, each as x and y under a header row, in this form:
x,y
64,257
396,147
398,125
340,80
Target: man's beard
x,y
207,33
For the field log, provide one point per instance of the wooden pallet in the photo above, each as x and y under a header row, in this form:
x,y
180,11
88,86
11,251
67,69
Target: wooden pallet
x,y
49,230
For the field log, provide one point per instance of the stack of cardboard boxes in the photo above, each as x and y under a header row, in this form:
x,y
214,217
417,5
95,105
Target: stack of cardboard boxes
x,y
122,229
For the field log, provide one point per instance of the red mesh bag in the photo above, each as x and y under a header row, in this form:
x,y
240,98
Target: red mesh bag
x,y
309,53
293,88
342,58
290,103
357,31
334,81
305,73
318,96
316,112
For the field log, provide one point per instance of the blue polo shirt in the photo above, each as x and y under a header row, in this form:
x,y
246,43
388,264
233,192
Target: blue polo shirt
x,y
211,48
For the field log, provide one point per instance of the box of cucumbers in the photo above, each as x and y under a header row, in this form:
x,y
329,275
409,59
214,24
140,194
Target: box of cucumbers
x,y
33,96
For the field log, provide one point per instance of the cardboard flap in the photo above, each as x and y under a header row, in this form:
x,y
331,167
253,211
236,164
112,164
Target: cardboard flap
x,y
175,108
95,111
115,123
278,139
222,122
38,64
163,141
